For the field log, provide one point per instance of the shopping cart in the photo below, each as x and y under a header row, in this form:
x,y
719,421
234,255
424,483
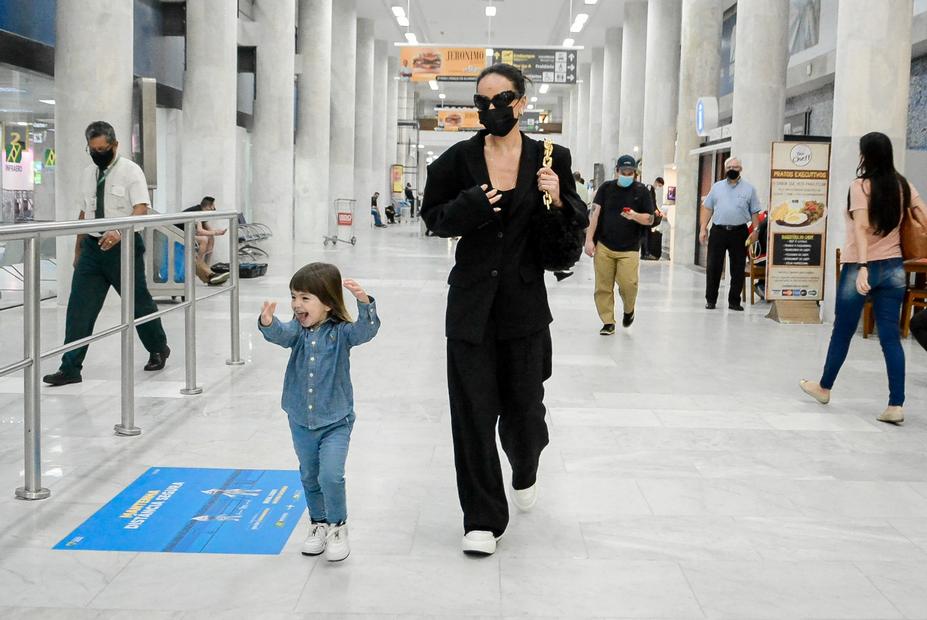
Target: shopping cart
x,y
342,223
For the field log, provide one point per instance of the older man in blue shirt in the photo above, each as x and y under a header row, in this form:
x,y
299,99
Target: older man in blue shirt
x,y
730,206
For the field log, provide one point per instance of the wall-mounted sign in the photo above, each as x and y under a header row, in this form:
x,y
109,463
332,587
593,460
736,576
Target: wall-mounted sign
x,y
797,221
395,176
706,115
550,66
445,64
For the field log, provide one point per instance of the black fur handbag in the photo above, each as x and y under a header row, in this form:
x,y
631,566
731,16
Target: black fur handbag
x,y
560,237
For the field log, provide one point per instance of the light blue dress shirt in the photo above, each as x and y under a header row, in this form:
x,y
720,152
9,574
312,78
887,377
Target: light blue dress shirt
x,y
732,205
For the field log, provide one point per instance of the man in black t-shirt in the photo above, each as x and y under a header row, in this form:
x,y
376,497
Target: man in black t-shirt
x,y
205,238
621,210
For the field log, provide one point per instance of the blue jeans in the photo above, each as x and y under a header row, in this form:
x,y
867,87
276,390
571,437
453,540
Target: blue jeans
x,y
888,281
377,220
322,453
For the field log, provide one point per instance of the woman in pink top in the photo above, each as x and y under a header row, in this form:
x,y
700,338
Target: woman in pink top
x,y
873,267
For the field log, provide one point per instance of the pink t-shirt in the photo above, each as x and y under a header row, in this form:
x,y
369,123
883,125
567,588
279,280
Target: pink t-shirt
x,y
879,248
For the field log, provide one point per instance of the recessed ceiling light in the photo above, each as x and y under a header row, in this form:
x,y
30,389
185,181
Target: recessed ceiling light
x,y
48,101
592,1
403,21
398,11
490,11
431,152
433,84
421,146
533,99
579,22
410,37
530,106
568,42
442,96
489,52
544,88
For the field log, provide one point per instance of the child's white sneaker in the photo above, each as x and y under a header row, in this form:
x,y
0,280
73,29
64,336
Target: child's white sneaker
x,y
525,499
315,542
479,542
336,545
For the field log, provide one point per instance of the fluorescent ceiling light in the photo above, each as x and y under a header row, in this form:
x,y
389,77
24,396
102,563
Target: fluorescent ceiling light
x,y
48,101
490,11
403,21
533,99
568,42
530,106
398,11
579,22
433,84
410,37
431,152
544,88
592,1
421,146
442,96
489,52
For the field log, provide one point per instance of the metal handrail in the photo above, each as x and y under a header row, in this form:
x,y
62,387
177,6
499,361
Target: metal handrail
x,y
31,235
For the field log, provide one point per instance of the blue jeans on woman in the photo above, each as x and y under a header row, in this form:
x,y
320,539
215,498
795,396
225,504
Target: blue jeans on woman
x,y
888,281
322,453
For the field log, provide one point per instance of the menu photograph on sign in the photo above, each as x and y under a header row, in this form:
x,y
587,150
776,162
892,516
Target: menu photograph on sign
x,y
425,63
797,221
550,66
459,119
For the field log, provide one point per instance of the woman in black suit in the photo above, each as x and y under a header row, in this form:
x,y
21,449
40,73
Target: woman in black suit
x,y
488,192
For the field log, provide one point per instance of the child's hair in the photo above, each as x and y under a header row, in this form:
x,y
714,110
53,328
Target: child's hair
x,y
324,281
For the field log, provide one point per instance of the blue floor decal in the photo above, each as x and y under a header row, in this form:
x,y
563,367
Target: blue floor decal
x,y
197,510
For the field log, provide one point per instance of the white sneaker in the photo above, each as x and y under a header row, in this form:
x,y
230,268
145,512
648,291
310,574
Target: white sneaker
x,y
315,542
525,499
336,544
479,542
892,415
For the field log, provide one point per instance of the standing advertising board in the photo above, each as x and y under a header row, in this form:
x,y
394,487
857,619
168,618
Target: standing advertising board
x,y
799,180
395,177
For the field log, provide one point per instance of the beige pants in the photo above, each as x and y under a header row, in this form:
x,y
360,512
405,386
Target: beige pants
x,y
611,267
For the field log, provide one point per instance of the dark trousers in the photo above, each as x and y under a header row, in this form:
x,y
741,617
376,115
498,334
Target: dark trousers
x,y
730,239
919,328
96,271
496,381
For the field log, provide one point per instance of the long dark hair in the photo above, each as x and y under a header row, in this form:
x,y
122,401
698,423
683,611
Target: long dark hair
x,y
510,72
889,191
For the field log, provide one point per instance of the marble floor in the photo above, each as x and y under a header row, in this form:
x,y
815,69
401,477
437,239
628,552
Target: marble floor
x,y
687,476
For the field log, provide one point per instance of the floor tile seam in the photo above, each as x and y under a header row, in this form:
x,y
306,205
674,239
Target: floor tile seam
x,y
890,524
875,586
315,563
695,596
644,497
93,599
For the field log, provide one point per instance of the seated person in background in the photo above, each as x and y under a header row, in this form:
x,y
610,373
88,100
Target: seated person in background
x,y
205,242
390,214
758,251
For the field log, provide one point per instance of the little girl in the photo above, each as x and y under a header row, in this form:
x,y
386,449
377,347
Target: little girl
x,y
317,393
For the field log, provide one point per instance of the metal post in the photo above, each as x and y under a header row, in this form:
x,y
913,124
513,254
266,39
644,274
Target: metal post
x,y
189,322
235,360
127,294
32,350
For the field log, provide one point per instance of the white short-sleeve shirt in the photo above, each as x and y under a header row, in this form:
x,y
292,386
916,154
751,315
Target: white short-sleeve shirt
x,y
125,186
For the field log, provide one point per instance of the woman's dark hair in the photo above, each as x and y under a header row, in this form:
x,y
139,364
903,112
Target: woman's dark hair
x,y
324,281
889,191
511,73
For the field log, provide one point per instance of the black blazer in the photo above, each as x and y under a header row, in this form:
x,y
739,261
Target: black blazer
x,y
497,273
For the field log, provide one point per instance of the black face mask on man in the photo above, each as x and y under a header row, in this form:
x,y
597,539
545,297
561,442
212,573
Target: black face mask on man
x,y
733,175
102,158
498,121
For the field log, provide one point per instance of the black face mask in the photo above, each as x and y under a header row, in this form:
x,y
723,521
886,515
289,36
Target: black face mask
x,y
102,158
498,121
733,175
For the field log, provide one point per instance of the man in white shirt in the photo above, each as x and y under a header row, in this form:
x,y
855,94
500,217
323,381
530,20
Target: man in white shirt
x,y
113,186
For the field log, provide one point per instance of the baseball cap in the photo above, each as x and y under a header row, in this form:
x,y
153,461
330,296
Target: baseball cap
x,y
626,161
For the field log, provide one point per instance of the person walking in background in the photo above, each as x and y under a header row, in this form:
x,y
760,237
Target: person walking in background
x,y
112,186
410,198
375,211
872,265
730,206
581,188
621,209
651,238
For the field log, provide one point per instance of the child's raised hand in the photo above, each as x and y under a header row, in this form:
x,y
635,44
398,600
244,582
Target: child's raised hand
x,y
357,291
267,313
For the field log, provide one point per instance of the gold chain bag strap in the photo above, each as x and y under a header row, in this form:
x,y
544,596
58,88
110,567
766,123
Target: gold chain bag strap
x,y
560,239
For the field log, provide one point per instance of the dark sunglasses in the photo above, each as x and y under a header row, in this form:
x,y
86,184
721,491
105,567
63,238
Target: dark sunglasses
x,y
500,100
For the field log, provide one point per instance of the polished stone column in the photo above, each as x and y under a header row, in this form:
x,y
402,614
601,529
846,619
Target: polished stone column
x,y
313,120
699,74
344,38
611,96
209,98
380,99
582,159
363,114
661,87
568,139
596,77
633,56
272,136
873,74
759,86
92,82
392,114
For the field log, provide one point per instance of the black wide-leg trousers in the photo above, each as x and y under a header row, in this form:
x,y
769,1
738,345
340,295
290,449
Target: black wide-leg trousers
x,y
496,381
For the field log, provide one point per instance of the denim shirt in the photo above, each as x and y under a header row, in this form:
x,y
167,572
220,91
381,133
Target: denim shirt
x,y
317,386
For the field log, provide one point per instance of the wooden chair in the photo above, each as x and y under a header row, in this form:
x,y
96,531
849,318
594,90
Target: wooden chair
x,y
754,273
915,297
868,316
